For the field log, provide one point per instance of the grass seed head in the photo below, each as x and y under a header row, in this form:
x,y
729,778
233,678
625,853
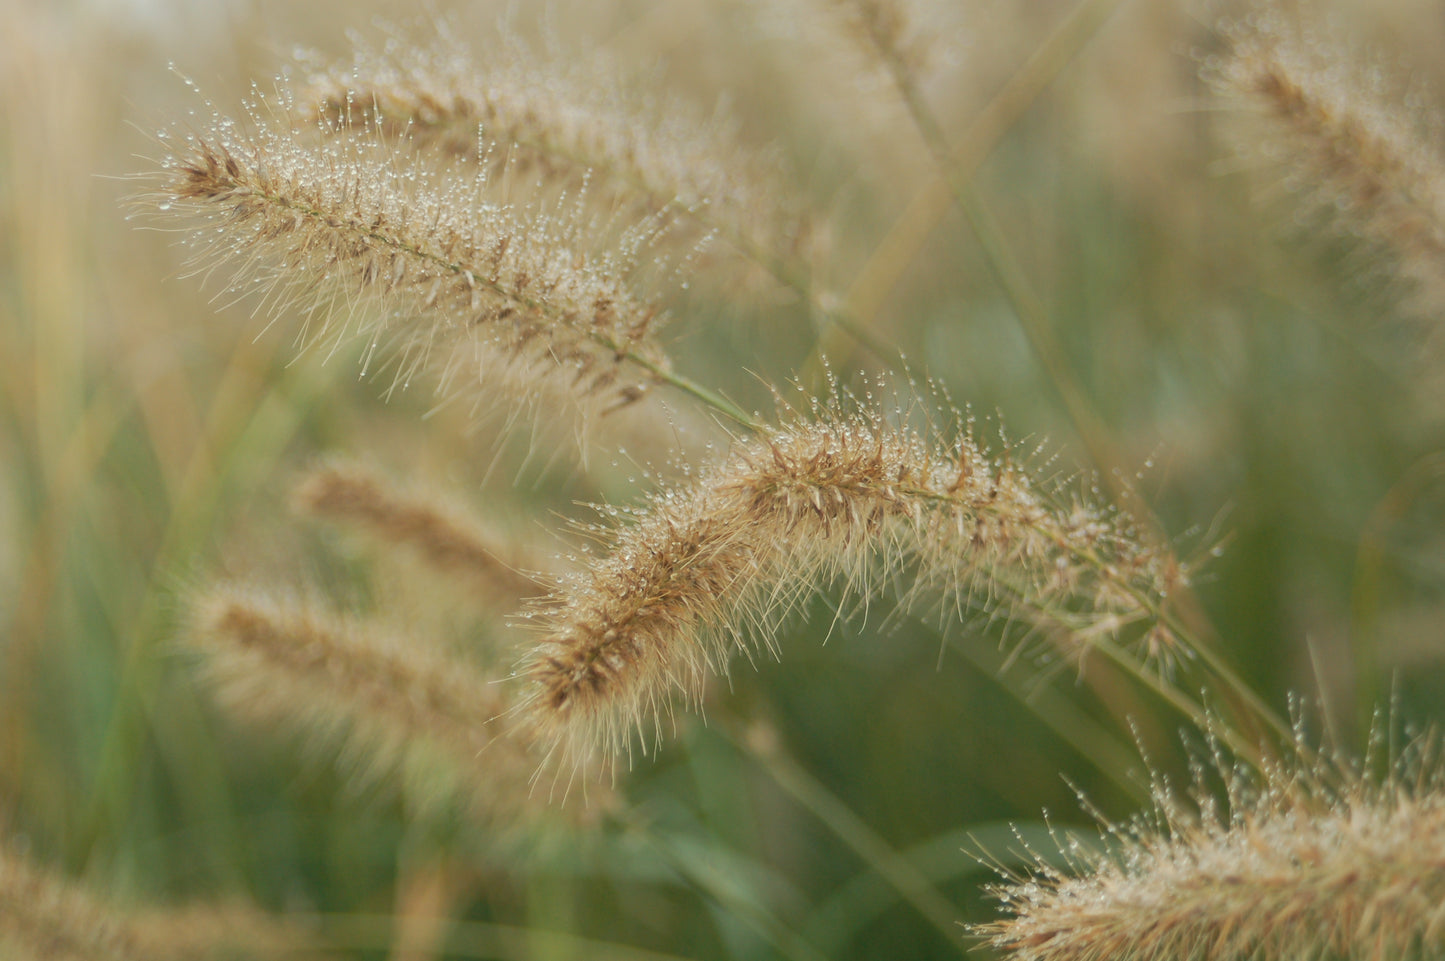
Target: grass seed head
x,y
422,258
710,569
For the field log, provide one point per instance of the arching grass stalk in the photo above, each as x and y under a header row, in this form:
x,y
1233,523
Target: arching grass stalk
x,y
1034,321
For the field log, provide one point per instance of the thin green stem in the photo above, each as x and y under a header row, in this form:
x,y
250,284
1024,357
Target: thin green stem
x,y
1032,316
1196,712
853,831
695,871
706,395
1033,319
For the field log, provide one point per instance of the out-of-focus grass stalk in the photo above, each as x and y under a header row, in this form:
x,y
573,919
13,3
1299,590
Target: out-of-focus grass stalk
x,y
762,746
893,253
1034,320
241,427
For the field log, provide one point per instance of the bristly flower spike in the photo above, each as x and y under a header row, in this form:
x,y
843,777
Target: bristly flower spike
x,y
709,568
397,251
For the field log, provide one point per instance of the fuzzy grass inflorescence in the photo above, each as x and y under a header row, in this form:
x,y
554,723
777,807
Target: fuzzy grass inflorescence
x,y
44,917
41,917
448,539
425,255
382,197
1355,151
709,568
514,112
393,706
1289,868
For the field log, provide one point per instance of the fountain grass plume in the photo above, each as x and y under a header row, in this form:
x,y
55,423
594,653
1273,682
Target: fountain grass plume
x,y
447,538
46,917
709,568
392,707
1302,859
1356,153
429,259
561,124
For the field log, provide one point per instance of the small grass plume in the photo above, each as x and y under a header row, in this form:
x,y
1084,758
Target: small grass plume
x,y
523,116
1299,862
394,708
428,257
1356,152
44,917
445,537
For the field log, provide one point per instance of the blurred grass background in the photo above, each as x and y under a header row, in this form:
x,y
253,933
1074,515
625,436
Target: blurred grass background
x,y
146,438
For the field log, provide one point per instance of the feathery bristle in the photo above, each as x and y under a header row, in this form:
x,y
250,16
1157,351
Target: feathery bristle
x,y
1353,155
570,124
418,255
441,535
710,569
308,669
1291,869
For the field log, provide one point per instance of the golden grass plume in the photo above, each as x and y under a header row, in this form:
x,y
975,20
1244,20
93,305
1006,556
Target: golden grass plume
x,y
368,245
1294,864
1356,151
44,917
446,538
708,568
564,124
393,707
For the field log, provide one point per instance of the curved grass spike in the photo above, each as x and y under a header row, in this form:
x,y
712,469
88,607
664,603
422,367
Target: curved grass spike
x,y
567,123
44,917
388,704
708,569
389,250
1301,862
447,538
1352,154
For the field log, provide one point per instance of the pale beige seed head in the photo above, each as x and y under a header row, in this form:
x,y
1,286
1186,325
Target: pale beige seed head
x,y
1287,869
710,569
43,918
393,707
1355,150
367,244
565,125
446,538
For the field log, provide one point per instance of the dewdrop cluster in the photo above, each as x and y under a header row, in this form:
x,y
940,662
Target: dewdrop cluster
x,y
709,569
